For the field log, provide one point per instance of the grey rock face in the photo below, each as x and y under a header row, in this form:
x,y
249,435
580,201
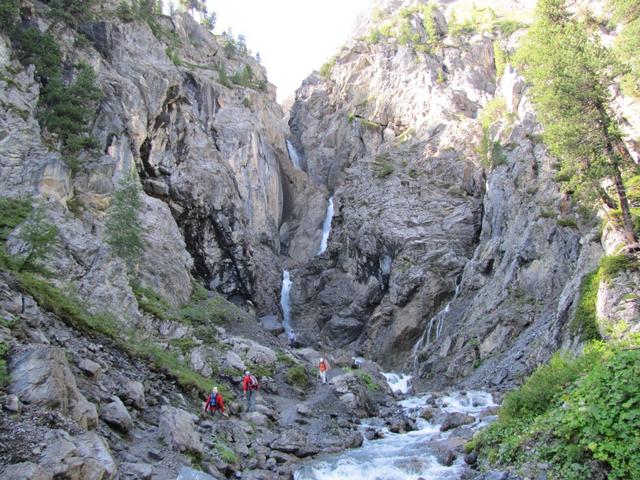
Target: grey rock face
x,y
83,457
133,394
41,376
117,415
25,471
187,473
178,430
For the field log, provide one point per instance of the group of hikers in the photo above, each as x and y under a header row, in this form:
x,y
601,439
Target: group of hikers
x,y
250,386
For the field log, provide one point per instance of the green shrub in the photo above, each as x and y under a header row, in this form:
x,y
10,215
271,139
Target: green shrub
x,y
507,27
9,14
585,320
598,423
382,166
285,359
611,265
501,58
367,380
4,373
325,69
537,394
297,376
153,303
567,222
225,453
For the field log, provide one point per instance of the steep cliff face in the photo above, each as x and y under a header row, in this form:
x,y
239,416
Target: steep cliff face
x,y
453,250
209,149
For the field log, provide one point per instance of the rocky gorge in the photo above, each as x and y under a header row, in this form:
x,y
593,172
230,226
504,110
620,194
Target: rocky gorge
x,y
407,194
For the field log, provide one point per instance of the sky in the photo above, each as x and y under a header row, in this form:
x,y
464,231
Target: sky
x,y
293,37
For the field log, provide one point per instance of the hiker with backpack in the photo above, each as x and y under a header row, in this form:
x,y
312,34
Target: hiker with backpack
x,y
250,386
291,336
323,367
214,402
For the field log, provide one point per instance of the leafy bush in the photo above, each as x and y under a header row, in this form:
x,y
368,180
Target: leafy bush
x,y
297,376
537,394
584,319
367,380
507,27
501,58
9,14
567,222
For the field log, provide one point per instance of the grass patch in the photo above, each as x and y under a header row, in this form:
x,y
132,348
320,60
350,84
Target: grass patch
x,y
567,222
327,67
367,380
225,453
68,308
12,213
382,166
297,376
612,265
152,302
285,359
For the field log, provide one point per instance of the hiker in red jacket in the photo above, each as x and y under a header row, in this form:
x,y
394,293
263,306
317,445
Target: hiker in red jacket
x,y
250,386
323,367
214,402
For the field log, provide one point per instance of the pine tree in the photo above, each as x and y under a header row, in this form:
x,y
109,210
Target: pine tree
x,y
124,228
570,73
38,236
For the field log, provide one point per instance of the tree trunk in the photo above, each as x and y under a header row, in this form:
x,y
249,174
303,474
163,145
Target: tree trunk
x,y
627,221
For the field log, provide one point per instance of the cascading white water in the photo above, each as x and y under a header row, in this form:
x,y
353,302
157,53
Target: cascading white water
x,y
285,301
438,321
293,154
399,383
402,456
326,228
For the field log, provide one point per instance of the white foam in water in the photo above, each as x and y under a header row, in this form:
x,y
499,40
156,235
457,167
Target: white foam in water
x,y
285,301
293,153
326,228
399,383
399,456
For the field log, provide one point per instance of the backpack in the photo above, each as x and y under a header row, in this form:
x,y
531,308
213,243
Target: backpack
x,y
253,382
213,401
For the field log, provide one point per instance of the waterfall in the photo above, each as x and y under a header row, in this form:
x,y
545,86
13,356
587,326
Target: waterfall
x,y
293,154
285,301
438,321
326,228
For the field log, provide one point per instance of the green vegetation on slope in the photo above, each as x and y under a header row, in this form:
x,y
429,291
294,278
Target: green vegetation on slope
x,y
581,415
627,45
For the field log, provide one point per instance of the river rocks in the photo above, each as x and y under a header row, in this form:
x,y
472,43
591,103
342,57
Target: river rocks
x,y
178,430
295,442
116,415
455,420
41,376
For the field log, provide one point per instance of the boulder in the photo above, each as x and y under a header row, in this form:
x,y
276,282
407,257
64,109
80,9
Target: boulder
x,y
83,457
12,404
132,394
296,443
178,430
136,471
116,415
41,376
455,420
187,473
234,361
25,471
272,325
260,354
90,368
